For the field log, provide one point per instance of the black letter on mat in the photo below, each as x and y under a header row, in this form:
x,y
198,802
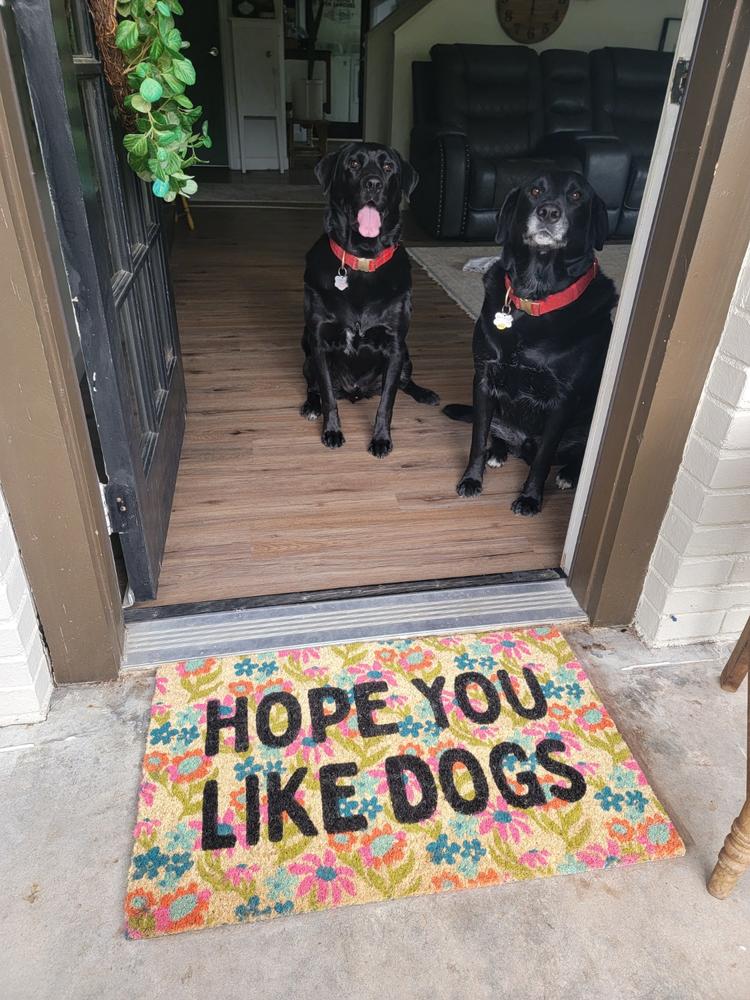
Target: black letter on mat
x,y
577,783
403,810
481,789
366,705
539,709
484,716
216,721
282,800
434,694
211,839
321,721
534,796
293,721
331,794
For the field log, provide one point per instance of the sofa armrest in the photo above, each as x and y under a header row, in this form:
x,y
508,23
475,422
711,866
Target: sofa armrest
x,y
441,157
605,163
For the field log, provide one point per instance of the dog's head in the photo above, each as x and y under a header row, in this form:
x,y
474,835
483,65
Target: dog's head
x,y
364,183
556,212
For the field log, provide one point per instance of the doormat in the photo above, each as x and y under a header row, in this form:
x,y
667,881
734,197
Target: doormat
x,y
308,778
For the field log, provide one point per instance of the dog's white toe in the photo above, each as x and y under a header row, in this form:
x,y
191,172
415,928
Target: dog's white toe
x,y
562,483
495,463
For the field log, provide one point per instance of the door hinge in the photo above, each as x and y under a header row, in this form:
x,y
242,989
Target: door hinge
x,y
679,80
119,507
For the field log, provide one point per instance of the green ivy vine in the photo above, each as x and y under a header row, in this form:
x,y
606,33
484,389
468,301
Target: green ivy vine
x,y
163,145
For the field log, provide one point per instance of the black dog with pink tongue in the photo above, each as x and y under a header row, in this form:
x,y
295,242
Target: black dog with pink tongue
x,y
358,293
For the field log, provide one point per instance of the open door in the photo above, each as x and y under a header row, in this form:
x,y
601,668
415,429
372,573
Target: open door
x,y
109,225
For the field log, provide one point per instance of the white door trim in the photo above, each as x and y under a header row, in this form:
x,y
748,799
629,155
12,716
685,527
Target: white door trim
x,y
691,17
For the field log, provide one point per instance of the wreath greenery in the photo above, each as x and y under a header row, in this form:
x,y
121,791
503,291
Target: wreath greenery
x,y
162,142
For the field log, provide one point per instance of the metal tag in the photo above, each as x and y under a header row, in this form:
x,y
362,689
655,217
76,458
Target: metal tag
x,y
341,281
503,320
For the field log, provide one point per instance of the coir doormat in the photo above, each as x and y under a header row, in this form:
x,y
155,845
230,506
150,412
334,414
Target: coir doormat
x,y
303,779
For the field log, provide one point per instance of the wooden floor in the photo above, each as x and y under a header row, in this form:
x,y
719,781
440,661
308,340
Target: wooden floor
x,y
261,507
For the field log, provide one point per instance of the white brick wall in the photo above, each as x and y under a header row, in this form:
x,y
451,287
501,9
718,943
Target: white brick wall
x,y
698,582
25,678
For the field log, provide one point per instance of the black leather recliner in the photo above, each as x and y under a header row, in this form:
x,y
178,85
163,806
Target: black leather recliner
x,y
488,117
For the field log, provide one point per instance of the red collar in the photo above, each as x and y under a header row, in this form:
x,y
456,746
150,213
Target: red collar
x,y
538,307
362,263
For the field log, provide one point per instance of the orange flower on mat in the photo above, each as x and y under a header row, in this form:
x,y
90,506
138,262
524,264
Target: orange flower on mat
x,y
155,762
384,846
557,711
489,877
621,830
659,836
386,655
190,766
139,903
184,908
241,689
592,717
415,748
196,668
342,843
442,882
238,800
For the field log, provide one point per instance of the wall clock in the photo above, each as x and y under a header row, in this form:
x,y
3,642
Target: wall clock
x,y
530,21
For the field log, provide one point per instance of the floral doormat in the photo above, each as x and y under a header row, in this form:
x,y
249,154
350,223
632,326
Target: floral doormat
x,y
298,780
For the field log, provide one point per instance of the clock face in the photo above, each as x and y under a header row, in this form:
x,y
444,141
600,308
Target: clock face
x,y
530,21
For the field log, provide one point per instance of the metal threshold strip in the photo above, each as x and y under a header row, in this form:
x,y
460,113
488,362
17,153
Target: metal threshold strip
x,y
390,616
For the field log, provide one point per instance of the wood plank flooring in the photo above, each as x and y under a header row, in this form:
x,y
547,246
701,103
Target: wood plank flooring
x,y
261,507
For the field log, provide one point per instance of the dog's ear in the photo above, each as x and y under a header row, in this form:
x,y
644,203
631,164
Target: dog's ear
x,y
325,169
598,222
505,216
409,176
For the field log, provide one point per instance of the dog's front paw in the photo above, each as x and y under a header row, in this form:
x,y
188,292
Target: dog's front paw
x,y
380,447
526,506
429,398
469,487
332,439
310,411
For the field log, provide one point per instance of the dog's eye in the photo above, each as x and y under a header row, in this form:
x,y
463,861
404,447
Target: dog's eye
x,y
387,168
353,165
575,195
535,192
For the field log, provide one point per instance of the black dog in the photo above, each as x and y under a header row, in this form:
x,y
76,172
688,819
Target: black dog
x,y
541,338
358,293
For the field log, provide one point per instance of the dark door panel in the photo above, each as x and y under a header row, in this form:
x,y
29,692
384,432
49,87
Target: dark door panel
x,y
119,284
199,25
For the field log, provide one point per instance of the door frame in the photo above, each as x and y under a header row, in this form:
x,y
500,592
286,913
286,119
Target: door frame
x,y
672,336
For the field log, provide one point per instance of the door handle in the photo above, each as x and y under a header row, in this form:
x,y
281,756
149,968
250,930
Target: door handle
x,y
213,51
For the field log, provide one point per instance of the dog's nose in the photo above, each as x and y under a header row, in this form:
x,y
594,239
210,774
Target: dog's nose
x,y
548,212
373,185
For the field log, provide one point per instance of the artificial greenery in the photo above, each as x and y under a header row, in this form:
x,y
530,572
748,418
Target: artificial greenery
x,y
163,144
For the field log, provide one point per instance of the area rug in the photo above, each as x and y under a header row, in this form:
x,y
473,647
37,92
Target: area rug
x,y
445,265
303,779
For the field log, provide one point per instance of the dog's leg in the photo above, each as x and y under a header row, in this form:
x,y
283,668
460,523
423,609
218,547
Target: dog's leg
x,y
497,453
567,475
331,435
381,443
470,484
312,407
529,502
420,394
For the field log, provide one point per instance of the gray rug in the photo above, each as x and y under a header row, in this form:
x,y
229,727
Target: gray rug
x,y
445,265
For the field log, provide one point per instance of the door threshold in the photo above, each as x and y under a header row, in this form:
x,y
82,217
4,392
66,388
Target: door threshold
x,y
324,620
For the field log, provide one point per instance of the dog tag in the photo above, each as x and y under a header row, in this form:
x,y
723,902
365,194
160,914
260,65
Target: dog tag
x,y
503,320
341,281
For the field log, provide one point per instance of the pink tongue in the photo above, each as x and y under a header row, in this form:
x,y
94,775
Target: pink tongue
x,y
368,220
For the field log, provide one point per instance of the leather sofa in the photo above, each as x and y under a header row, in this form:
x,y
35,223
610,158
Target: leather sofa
x,y
489,117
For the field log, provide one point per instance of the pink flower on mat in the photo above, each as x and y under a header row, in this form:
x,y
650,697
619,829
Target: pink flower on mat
x,y
534,859
159,708
416,657
633,765
145,826
550,730
242,873
310,750
511,824
303,655
324,875
315,671
451,640
161,685
507,643
602,856
146,792
363,672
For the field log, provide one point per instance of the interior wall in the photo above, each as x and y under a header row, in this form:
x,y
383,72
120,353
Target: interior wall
x,y
589,24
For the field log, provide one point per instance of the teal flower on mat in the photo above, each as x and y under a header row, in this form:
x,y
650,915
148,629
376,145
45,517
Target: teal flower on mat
x,y
186,736
442,852
252,908
623,777
175,868
636,803
188,716
181,837
465,662
409,726
570,865
370,807
281,884
552,690
162,734
285,906
149,864
574,692
464,827
247,766
609,799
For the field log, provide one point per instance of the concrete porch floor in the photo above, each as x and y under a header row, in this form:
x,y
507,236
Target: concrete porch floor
x,y
652,931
